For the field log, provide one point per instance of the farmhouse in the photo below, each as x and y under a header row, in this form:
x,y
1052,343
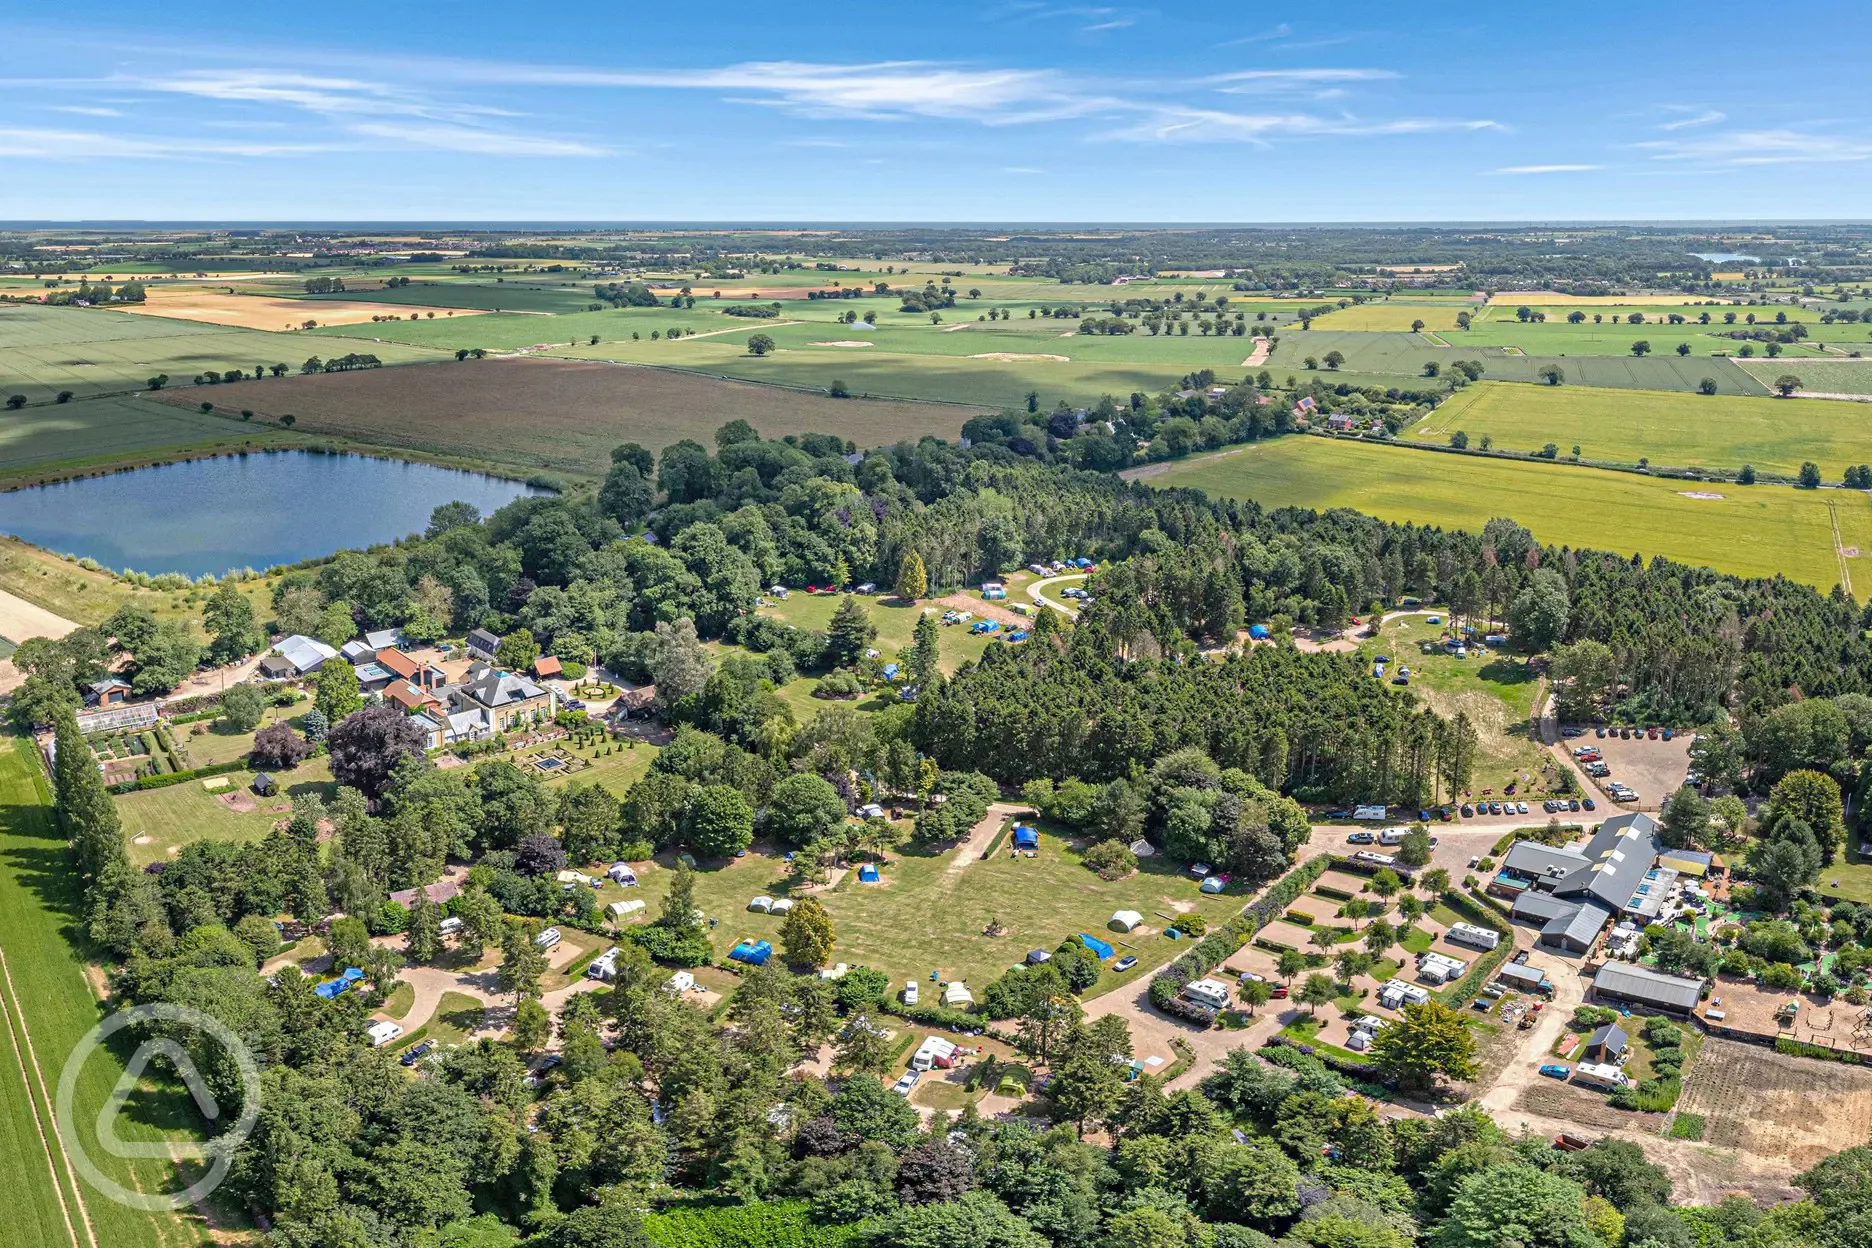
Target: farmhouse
x,y
501,700
402,667
1574,893
410,698
441,892
1618,984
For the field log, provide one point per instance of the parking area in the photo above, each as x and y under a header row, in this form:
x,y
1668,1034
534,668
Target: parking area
x,y
1651,766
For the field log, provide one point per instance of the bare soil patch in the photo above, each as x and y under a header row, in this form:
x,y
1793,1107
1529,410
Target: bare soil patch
x,y
1789,1109
983,610
565,415
240,802
845,342
1016,357
1259,355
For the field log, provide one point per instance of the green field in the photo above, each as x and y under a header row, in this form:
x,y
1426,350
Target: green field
x,y
94,351
1407,354
927,916
175,816
502,296
1751,530
49,1005
1822,377
117,429
1719,432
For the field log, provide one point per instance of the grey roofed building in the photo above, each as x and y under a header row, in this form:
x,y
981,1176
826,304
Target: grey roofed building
x,y
306,654
493,688
1522,976
1617,857
384,639
482,642
276,667
1542,862
1607,1041
1577,931
1542,907
1638,985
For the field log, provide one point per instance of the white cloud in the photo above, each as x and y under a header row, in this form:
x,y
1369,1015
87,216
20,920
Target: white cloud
x,y
1707,118
1118,23
42,144
1198,125
1020,169
1548,168
1279,32
1760,147
85,110
880,90
483,142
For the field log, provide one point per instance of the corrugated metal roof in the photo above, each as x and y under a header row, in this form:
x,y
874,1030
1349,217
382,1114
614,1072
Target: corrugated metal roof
x,y
1636,983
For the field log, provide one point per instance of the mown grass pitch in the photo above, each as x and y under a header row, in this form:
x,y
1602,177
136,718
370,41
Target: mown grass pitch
x,y
1750,530
1670,429
49,1006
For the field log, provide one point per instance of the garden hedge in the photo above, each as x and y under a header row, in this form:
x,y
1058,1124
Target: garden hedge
x,y
1210,951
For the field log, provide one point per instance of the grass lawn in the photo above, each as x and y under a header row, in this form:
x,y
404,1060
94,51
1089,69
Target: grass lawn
x,y
187,812
1496,692
457,1017
1850,880
1717,431
926,917
1750,531
397,1004
1417,941
49,1005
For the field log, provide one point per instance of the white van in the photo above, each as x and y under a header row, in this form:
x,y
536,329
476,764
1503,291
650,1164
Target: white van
x,y
450,926
383,1033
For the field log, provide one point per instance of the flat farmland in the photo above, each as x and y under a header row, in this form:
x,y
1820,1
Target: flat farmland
x,y
1825,377
1789,1112
509,331
1751,531
255,311
1552,298
1393,315
113,429
485,296
1407,354
1669,428
95,351
565,416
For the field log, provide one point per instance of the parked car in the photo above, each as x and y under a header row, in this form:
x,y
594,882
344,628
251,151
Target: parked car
x,y
1587,802
1361,838
1467,811
906,1082
1668,734
1572,803
1279,992
1124,964
1554,1070
1475,862
1599,732
1572,732
416,1053
1520,808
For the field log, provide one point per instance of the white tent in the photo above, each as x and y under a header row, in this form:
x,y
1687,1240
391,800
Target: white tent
x,y
781,905
957,995
622,873
1125,921
618,909
762,904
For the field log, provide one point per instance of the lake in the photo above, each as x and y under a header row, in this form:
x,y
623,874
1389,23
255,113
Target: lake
x,y
1725,257
242,511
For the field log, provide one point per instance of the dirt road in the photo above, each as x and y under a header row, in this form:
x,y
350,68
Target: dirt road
x,y
979,837
1037,591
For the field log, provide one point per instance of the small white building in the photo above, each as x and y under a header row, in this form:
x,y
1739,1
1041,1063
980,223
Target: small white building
x,y
1438,968
1396,994
1606,1078
382,1033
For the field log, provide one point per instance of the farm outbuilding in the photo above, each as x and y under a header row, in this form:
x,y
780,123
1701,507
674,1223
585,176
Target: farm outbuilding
x,y
1125,921
1637,985
1096,945
265,785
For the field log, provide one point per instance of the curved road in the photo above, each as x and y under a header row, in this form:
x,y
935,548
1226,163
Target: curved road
x,y
1037,591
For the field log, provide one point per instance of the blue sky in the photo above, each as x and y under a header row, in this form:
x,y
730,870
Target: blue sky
x,y
1004,110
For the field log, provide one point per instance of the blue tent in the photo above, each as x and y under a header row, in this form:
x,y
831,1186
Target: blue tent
x,y
1259,632
754,954
1095,945
890,671
1026,838
868,874
332,988
352,975
1019,634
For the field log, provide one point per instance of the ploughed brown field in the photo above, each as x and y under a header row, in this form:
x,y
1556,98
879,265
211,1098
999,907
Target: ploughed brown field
x,y
562,415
